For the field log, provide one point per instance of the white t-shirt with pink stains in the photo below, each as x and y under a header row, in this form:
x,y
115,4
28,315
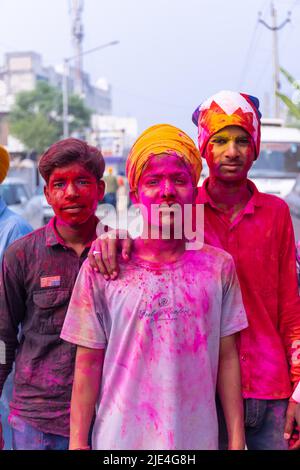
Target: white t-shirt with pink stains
x,y
161,327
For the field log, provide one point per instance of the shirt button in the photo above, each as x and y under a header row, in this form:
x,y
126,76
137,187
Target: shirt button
x,y
244,357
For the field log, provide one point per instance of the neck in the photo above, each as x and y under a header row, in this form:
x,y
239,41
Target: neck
x,y
77,235
159,251
228,194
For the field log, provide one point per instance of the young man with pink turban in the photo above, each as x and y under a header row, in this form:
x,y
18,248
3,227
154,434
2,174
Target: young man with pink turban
x,y
153,346
256,229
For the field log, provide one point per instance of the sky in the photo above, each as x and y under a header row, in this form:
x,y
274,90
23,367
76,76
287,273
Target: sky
x,y
172,53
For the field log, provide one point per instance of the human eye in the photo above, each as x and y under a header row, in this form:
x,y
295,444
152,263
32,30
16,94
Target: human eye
x,y
83,182
243,140
152,181
58,184
180,180
219,140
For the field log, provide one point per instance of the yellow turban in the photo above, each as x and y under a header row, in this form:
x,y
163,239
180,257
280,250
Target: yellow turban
x,y
159,139
4,163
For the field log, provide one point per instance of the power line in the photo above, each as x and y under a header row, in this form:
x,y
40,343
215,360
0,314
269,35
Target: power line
x,y
248,56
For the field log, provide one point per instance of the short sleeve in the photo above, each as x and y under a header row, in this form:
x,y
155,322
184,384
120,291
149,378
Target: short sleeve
x,y
83,325
234,317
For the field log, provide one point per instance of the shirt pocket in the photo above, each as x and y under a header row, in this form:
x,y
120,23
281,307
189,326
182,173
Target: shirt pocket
x,y
50,310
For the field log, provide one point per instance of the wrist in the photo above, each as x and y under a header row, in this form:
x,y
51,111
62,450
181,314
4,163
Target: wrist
x,y
82,448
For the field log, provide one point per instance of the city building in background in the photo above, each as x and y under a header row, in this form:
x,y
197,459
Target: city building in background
x,y
115,136
21,72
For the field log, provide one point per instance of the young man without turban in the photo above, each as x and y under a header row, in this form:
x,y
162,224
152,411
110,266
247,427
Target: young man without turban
x,y
37,278
153,346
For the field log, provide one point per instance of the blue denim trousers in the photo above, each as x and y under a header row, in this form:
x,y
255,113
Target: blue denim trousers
x,y
26,437
264,424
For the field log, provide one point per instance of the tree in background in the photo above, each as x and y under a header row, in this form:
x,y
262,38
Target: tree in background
x,y
293,106
36,118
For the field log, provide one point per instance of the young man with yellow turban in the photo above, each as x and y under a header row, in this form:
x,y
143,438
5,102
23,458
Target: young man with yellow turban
x,y
153,345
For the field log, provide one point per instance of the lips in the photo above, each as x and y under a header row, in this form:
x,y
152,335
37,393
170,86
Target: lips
x,y
231,166
72,208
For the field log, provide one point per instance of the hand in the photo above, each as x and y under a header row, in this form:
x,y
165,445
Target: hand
x,y
238,445
103,253
1,437
292,416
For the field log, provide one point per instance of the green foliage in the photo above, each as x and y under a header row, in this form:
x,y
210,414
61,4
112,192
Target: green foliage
x,y
293,108
36,118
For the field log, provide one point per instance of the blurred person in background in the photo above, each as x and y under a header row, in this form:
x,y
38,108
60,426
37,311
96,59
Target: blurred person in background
x,y
12,227
111,187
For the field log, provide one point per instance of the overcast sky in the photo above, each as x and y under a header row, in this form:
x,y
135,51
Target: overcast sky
x,y
172,53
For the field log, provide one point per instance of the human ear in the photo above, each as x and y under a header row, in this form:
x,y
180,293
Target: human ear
x,y
134,197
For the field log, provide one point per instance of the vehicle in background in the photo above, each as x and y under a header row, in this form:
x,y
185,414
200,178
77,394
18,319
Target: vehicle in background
x,y
278,165
47,210
16,194
293,199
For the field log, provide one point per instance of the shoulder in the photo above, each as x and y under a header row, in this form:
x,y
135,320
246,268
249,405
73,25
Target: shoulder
x,y
15,222
211,259
213,253
271,201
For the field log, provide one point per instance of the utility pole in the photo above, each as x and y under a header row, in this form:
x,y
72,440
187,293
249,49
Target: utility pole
x,y
77,36
274,28
65,80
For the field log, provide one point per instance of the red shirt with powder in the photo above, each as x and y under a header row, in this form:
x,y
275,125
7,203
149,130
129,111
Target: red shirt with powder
x,y
36,282
261,241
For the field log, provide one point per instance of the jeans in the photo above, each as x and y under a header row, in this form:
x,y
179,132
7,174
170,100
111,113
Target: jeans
x,y
26,437
264,424
4,410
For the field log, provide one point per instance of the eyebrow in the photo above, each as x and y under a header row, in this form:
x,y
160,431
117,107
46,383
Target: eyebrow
x,y
224,136
156,175
61,178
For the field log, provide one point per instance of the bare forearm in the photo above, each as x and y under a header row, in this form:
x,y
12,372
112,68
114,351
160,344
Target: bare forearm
x,y
86,386
229,389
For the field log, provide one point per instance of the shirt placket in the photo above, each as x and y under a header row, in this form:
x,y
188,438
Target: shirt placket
x,y
244,343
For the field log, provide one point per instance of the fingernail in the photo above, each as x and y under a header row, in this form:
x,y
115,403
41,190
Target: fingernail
x,y
286,435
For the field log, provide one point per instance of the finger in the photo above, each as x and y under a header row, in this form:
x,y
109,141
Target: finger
x,y
104,256
113,259
296,445
101,266
288,428
92,261
95,258
127,245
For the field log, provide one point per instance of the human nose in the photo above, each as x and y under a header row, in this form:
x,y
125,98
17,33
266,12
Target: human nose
x,y
168,188
232,150
71,190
